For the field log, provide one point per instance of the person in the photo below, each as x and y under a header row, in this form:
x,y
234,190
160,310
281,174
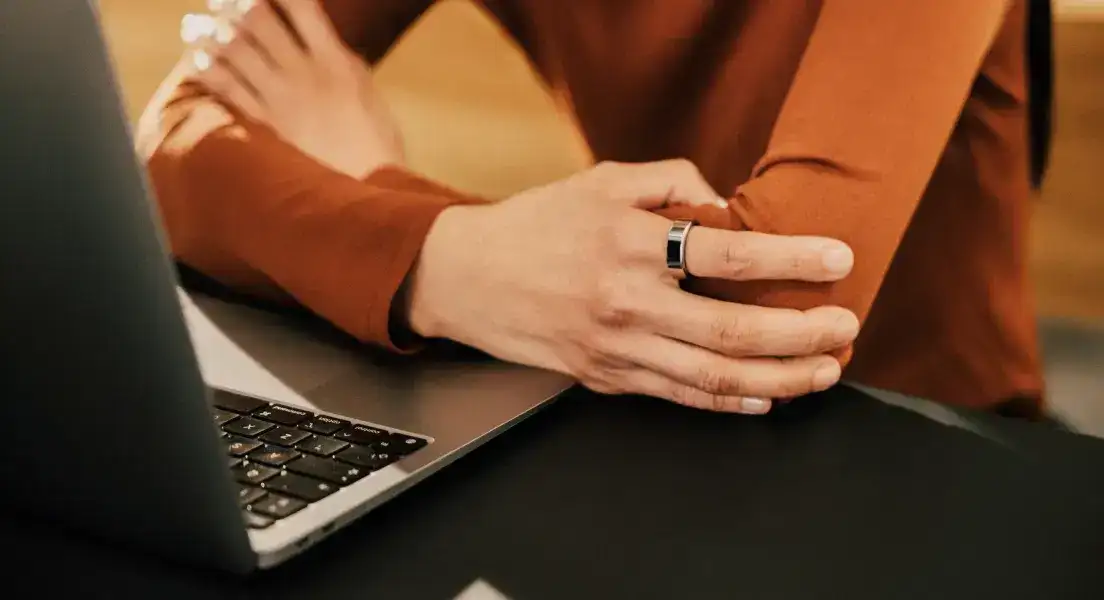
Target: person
x,y
871,123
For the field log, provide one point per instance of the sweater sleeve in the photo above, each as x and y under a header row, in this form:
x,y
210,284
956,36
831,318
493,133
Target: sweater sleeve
x,y
871,109
252,212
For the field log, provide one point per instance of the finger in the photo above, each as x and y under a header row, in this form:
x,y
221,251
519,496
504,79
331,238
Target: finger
x,y
654,185
657,386
745,330
750,256
309,19
251,66
272,37
720,375
222,82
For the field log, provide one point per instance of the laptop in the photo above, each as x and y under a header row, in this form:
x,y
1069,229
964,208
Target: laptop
x,y
112,427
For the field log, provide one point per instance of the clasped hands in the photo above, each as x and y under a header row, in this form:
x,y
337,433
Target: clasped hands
x,y
569,276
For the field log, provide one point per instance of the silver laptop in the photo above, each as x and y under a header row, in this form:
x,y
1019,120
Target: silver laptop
x,y
111,426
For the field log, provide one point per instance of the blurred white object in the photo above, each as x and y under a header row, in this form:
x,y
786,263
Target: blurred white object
x,y
229,8
201,32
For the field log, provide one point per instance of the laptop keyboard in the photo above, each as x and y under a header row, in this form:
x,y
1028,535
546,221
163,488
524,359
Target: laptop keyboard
x,y
284,458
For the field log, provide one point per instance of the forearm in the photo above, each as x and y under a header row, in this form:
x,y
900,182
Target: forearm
x,y
870,112
252,212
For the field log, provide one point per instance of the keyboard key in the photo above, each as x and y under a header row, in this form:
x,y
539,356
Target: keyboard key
x,y
284,436
253,473
282,415
383,445
239,446
273,456
305,488
247,427
322,446
255,521
248,495
361,434
406,444
328,470
323,425
278,507
222,417
233,461
363,456
235,403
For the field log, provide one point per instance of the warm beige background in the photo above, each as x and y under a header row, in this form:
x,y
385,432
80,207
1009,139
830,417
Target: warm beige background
x,y
474,116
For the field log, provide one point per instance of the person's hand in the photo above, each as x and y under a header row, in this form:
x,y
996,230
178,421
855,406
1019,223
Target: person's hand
x,y
305,84
572,277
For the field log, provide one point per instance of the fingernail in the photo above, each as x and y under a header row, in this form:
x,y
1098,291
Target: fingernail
x,y
756,406
721,203
838,260
826,376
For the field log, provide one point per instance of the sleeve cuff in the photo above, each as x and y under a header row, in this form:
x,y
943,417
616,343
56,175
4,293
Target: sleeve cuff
x,y
418,203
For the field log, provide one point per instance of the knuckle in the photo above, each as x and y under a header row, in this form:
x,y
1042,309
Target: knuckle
x,y
821,339
715,381
802,265
681,394
807,337
822,329
613,306
612,316
719,403
812,341
731,334
736,259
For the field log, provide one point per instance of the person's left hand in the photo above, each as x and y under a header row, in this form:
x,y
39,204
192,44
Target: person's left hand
x,y
307,85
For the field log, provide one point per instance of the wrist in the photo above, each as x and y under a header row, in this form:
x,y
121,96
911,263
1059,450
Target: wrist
x,y
429,294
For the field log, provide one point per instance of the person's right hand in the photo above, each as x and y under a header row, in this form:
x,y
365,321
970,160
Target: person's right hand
x,y
572,277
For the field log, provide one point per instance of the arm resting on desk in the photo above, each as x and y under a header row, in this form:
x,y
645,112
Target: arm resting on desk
x,y
253,212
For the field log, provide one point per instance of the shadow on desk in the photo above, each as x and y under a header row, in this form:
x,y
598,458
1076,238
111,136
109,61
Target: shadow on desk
x,y
633,498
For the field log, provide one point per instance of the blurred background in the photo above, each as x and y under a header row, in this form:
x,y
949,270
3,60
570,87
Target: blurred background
x,y
476,117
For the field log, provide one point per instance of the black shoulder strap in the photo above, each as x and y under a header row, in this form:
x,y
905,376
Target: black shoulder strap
x,y
1040,72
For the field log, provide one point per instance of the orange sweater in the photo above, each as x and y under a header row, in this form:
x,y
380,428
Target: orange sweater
x,y
898,127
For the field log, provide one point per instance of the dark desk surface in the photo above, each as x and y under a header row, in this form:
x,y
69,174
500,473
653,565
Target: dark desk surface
x,y
843,497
